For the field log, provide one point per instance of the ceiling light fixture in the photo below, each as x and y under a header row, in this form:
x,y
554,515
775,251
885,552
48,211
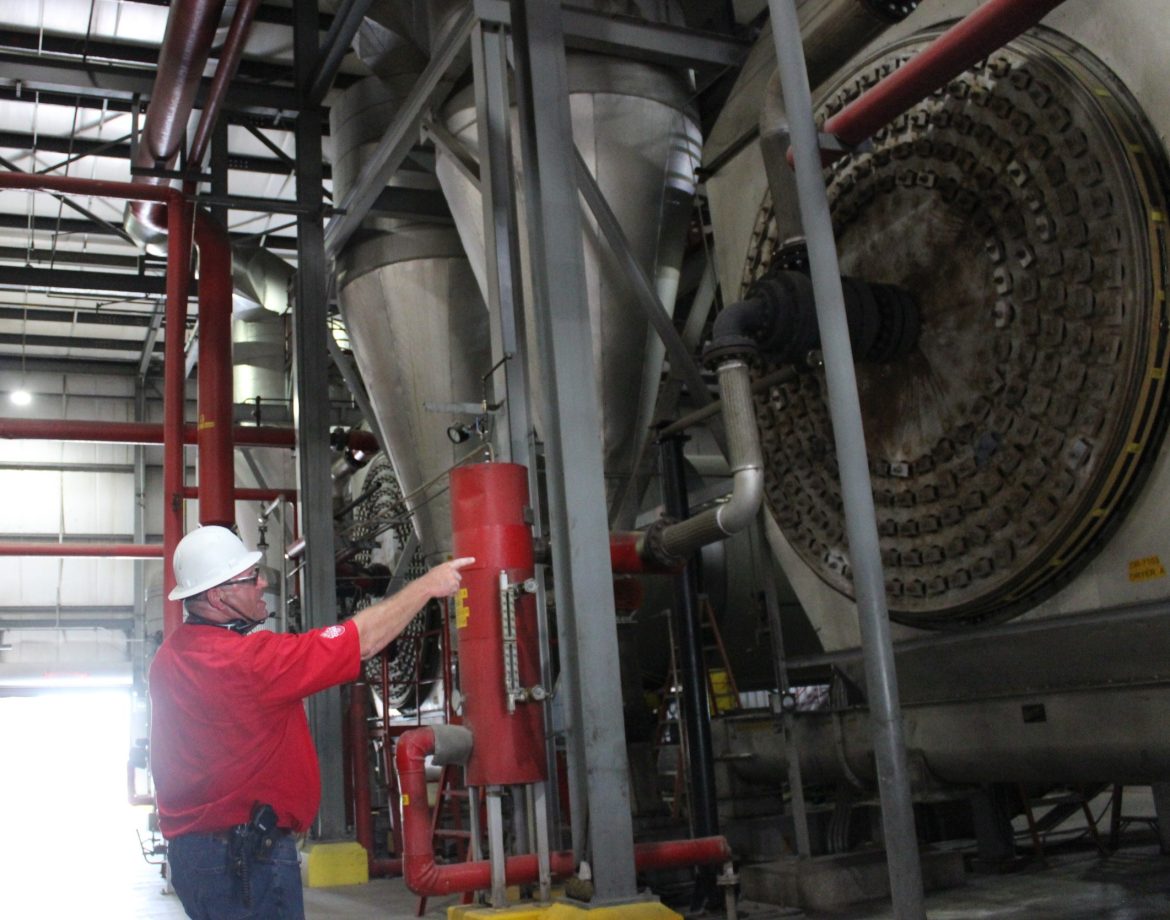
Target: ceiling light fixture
x,y
20,397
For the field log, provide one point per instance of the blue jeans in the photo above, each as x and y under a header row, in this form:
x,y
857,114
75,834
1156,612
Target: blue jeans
x,y
210,889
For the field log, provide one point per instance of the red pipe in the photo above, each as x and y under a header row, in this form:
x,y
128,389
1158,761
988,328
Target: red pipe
x,y
248,495
359,774
137,432
984,31
425,877
217,474
93,550
487,523
75,185
174,398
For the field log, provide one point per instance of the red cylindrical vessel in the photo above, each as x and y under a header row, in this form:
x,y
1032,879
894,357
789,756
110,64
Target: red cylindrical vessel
x,y
487,516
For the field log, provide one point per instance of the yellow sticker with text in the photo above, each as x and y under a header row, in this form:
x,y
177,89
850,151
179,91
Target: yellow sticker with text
x,y
462,611
405,798
1146,569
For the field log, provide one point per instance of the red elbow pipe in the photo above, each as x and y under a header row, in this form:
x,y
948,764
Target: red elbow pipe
x,y
984,31
217,474
424,877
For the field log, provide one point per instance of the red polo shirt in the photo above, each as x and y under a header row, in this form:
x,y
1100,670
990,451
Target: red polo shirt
x,y
228,726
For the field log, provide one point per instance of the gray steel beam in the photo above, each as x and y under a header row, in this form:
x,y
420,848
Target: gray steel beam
x,y
103,81
881,679
79,148
98,282
87,366
311,415
653,42
81,341
579,529
26,256
72,315
489,55
399,138
70,226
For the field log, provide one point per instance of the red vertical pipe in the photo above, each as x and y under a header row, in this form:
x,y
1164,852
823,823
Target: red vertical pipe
x,y
216,459
174,376
487,520
985,30
359,772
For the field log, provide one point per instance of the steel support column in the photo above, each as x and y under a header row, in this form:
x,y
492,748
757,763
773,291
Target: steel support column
x,y
580,533
311,414
704,810
898,827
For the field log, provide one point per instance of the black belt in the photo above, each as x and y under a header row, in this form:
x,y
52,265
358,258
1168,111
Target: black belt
x,y
227,834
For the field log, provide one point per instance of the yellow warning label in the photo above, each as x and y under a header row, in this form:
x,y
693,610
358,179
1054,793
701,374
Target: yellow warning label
x,y
462,611
1146,569
405,798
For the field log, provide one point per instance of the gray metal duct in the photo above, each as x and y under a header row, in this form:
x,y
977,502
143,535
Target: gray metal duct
x,y
416,321
634,128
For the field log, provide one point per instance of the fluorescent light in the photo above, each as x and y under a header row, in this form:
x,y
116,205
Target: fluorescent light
x,y
20,397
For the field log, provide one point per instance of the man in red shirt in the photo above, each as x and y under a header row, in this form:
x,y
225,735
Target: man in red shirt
x,y
228,726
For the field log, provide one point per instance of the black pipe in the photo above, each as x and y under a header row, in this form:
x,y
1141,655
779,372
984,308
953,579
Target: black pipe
x,y
778,319
693,673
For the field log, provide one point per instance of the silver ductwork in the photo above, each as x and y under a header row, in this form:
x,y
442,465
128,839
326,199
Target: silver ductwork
x,y
634,128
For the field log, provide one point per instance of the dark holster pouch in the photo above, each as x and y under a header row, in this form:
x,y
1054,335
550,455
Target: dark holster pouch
x,y
250,841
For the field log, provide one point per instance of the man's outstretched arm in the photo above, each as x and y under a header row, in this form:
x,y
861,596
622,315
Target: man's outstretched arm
x,y
380,623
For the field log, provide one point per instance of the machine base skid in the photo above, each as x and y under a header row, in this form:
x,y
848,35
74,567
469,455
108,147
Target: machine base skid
x,y
559,910
330,864
834,882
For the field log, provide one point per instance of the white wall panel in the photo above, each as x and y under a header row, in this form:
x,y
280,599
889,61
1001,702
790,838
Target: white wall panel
x,y
101,582
28,582
30,501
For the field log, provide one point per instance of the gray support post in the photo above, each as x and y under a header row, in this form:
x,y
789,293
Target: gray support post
x,y
580,534
787,720
885,713
311,415
511,436
489,57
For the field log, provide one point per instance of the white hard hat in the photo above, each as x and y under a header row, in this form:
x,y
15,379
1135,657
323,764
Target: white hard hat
x,y
207,557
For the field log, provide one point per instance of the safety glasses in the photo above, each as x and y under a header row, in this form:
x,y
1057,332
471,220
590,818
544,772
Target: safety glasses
x,y
250,579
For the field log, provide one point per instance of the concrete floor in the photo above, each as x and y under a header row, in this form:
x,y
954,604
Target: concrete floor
x,y
1134,884
99,871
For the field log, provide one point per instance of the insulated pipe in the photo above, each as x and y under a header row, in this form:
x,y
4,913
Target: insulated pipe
x,y
91,550
898,827
186,46
747,471
217,473
984,31
229,62
452,744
